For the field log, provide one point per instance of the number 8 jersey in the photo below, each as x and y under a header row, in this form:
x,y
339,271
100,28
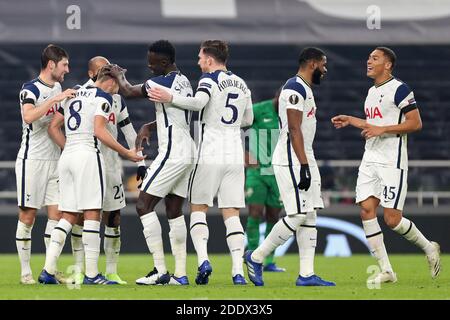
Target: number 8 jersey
x,y
79,114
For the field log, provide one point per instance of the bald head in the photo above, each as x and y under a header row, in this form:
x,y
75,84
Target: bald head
x,y
95,64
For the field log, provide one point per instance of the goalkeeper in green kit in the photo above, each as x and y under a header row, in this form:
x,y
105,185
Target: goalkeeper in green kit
x,y
261,190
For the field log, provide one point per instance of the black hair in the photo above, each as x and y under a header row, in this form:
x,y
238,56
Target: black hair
x,y
390,54
216,48
310,53
164,48
52,53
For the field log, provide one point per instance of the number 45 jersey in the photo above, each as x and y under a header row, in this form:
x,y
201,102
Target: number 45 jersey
x,y
79,115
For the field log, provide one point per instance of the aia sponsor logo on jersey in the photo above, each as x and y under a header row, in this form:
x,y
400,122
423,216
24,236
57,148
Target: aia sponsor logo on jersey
x,y
373,112
112,118
311,113
52,110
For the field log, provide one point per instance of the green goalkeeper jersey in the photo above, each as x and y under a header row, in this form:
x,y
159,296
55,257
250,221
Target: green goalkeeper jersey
x,y
264,136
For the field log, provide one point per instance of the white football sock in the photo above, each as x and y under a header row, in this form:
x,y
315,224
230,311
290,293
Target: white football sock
x,y
48,231
23,244
57,240
199,234
235,241
307,241
280,233
111,245
153,237
77,247
376,244
178,236
409,231
91,242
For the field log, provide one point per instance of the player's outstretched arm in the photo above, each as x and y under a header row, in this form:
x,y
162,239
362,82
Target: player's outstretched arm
x,y
296,135
412,123
144,133
342,121
105,137
195,103
32,113
126,89
54,130
130,136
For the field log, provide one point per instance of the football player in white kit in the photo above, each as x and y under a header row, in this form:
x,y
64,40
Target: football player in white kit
x,y
168,175
85,117
225,103
296,172
114,191
36,164
391,113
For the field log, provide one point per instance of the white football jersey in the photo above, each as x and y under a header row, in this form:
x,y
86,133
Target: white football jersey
x,y
173,123
222,116
386,104
36,143
296,94
118,117
79,115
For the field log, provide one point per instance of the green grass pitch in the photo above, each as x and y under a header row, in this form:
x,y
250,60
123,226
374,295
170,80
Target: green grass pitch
x,y
350,275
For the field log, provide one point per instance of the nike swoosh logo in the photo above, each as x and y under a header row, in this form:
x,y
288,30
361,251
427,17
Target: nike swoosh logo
x,y
26,249
267,120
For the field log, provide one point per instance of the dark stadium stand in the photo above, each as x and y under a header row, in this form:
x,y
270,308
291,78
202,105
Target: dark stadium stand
x,y
265,68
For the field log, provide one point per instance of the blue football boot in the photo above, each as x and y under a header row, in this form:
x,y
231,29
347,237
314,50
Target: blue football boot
x,y
313,281
47,278
254,269
98,279
272,267
239,280
204,271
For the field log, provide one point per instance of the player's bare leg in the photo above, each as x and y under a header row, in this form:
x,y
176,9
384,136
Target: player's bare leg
x,y
235,241
375,239
111,244
200,234
407,229
178,236
23,242
145,208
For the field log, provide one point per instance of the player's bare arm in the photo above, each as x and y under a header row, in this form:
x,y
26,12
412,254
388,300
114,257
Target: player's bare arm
x,y
342,121
144,133
295,133
412,123
126,89
195,103
54,130
32,113
105,137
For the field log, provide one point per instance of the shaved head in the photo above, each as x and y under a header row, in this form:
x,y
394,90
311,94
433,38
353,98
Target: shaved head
x,y
95,64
